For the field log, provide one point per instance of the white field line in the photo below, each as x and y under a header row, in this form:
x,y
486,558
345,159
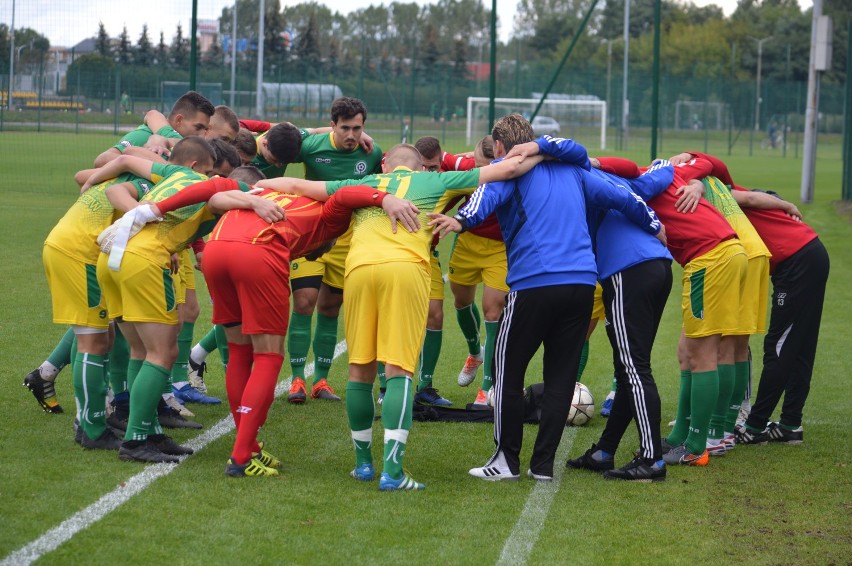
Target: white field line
x,y
52,539
522,539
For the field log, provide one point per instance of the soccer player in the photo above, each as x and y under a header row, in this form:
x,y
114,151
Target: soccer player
x,y
479,256
70,258
799,269
714,263
333,156
552,277
247,269
387,282
190,116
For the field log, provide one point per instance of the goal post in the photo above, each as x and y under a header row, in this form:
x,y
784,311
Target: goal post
x,y
578,119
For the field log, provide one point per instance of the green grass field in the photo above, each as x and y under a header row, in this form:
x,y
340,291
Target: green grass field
x,y
761,505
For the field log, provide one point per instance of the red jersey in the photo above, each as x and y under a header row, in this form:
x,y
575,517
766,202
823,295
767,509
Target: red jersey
x,y
688,235
255,126
490,227
783,235
307,225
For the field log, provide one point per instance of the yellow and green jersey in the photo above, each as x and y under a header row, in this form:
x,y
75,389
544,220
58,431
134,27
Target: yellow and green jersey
x,y
76,233
372,239
719,195
158,241
139,136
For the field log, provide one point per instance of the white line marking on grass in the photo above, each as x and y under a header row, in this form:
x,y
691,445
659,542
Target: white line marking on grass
x,y
525,534
52,539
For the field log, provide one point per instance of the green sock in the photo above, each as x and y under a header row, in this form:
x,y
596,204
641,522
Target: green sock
x,y
325,339
469,319
705,391
380,373
208,341
298,342
90,389
144,397
741,370
133,367
119,357
723,402
491,328
396,418
73,352
614,385
429,357
184,343
61,354
360,410
222,344
681,427
584,359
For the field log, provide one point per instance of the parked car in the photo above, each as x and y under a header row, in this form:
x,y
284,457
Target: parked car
x,y
542,125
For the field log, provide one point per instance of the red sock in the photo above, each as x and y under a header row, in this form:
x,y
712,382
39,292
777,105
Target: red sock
x,y
237,375
257,397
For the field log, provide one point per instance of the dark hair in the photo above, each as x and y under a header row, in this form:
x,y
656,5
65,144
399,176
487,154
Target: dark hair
x,y
347,108
512,130
228,116
248,174
192,148
284,141
225,153
245,143
428,146
190,104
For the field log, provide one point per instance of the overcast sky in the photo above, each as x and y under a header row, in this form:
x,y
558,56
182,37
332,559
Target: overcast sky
x,y
67,22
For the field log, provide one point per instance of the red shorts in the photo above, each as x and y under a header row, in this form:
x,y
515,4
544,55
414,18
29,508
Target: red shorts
x,y
249,284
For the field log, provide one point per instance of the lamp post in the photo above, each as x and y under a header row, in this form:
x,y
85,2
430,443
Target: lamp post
x,y
757,88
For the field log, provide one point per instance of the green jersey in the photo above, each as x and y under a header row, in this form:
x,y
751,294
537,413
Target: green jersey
x,y
139,136
324,161
372,239
719,195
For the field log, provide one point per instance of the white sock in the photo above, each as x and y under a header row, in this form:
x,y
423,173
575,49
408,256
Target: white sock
x,y
179,384
198,354
48,371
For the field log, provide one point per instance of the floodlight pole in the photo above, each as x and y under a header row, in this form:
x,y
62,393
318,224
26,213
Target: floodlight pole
x,y
492,79
655,89
760,43
234,54
625,103
806,192
11,57
260,37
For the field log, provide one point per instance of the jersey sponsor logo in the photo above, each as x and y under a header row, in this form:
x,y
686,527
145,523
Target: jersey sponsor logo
x,y
326,160
361,167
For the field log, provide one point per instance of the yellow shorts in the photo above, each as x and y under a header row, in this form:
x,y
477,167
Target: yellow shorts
x,y
301,268
436,291
185,277
74,290
476,259
385,313
140,291
598,307
712,286
754,303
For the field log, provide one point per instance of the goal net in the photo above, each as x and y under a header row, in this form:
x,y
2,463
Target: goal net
x,y
698,115
579,118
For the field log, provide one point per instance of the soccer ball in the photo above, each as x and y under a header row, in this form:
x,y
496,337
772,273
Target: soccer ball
x,y
582,406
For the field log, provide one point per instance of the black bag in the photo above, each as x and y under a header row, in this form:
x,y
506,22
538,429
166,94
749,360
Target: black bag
x,y
478,414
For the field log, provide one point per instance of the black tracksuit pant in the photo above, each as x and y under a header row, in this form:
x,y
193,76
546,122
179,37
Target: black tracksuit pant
x,y
634,300
789,349
558,317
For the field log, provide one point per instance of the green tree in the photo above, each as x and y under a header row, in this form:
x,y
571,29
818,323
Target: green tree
x,y
144,50
103,44
125,55
94,72
179,51
162,53
308,45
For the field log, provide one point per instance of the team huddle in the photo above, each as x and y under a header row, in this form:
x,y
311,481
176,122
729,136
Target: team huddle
x,y
539,222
